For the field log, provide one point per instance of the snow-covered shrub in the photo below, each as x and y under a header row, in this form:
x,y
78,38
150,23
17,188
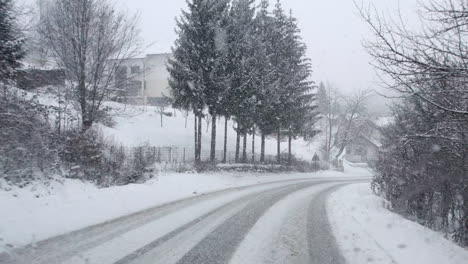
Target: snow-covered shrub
x,y
89,156
83,154
28,148
141,162
422,168
125,166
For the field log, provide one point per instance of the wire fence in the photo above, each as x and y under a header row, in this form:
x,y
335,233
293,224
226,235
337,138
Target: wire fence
x,y
187,155
174,158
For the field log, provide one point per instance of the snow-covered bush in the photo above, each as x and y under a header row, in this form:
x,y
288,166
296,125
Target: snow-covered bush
x,y
83,154
28,148
125,166
423,175
89,156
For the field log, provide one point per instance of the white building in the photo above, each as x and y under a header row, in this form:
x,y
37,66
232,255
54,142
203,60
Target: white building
x,y
362,149
144,80
366,147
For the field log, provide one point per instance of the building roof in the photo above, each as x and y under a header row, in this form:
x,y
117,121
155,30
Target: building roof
x,y
384,121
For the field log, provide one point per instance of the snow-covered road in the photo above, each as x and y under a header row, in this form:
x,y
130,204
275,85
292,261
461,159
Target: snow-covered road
x,y
281,222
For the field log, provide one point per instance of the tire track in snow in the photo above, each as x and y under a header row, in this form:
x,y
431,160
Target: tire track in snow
x,y
323,247
220,245
62,247
282,234
212,214
224,236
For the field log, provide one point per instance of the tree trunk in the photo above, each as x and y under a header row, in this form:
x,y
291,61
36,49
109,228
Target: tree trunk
x,y
330,125
464,220
85,115
341,150
244,149
87,124
225,139
278,146
213,139
290,149
195,129
262,154
253,147
162,116
238,146
199,137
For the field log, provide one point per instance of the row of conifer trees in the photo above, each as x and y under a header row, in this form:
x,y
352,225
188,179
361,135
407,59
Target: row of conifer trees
x,y
233,59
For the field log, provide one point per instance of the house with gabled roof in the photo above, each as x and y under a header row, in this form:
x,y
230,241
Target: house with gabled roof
x,y
365,147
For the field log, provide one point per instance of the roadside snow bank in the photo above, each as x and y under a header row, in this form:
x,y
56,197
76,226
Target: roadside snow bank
x,y
369,233
40,211
357,169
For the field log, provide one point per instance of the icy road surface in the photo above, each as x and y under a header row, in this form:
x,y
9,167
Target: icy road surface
x,y
282,222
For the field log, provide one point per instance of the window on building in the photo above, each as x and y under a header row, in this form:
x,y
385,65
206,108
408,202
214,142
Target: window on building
x,y
121,78
135,70
134,88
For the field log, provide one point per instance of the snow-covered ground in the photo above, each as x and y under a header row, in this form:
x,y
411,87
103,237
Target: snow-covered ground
x,y
40,211
367,232
137,125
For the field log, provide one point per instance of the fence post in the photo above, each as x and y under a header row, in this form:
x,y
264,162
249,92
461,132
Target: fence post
x,y
184,155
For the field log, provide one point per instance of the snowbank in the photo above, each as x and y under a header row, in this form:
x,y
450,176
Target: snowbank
x,y
357,169
369,233
43,210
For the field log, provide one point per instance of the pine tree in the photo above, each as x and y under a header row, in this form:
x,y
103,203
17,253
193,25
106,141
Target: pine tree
x,y
264,77
280,61
295,101
196,69
322,99
11,43
301,112
242,94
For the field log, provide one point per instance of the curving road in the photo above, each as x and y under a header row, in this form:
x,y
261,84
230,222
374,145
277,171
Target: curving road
x,y
282,222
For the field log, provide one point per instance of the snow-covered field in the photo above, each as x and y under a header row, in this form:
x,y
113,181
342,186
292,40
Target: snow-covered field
x,y
41,211
137,125
367,232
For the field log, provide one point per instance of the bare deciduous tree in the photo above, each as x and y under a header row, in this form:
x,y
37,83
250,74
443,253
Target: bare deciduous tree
x,y
424,164
350,126
343,118
89,39
415,61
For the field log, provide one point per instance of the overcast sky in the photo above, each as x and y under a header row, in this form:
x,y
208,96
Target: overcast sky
x,y
331,28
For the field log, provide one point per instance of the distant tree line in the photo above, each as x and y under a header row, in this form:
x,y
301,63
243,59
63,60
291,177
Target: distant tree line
x,y
233,59
423,167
